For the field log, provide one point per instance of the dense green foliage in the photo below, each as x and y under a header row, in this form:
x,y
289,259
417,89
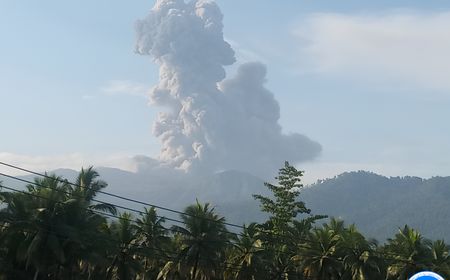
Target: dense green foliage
x,y
57,230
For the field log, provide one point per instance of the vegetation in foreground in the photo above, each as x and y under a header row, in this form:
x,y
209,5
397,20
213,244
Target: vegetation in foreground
x,y
58,230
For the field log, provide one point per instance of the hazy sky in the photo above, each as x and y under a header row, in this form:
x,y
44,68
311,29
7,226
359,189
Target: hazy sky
x,y
368,80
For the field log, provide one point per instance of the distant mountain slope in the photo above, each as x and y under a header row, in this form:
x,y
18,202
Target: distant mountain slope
x,y
379,205
376,204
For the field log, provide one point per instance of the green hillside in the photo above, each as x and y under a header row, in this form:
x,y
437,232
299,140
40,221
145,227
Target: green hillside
x,y
379,205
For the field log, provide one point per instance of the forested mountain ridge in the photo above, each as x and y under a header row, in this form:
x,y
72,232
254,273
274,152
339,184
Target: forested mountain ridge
x,y
379,205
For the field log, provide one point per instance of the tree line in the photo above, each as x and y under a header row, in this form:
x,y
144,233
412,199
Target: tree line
x,y
58,230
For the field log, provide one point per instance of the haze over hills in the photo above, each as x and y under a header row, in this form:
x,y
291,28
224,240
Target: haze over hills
x,y
378,205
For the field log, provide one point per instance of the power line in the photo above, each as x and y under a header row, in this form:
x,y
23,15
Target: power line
x,y
174,230
100,201
121,197
94,200
384,254
118,196
130,200
106,214
135,246
121,207
65,181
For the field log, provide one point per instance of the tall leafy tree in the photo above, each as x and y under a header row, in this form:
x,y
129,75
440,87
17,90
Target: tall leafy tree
x,y
284,209
285,206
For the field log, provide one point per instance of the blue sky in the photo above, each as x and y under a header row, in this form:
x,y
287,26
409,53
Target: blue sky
x,y
366,79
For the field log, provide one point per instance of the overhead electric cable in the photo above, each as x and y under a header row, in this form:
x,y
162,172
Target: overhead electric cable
x,y
384,254
119,196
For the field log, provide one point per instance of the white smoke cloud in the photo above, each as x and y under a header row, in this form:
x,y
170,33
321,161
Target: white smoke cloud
x,y
211,124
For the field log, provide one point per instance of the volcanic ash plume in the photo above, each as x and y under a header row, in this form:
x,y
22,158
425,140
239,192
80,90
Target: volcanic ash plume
x,y
211,123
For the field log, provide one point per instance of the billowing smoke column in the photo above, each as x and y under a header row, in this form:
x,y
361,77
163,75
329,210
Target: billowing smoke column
x,y
211,124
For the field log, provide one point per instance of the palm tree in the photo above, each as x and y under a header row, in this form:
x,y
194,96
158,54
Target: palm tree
x,y
409,253
246,256
87,187
87,226
440,258
152,236
124,264
14,218
54,226
46,230
335,225
203,239
318,256
359,256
